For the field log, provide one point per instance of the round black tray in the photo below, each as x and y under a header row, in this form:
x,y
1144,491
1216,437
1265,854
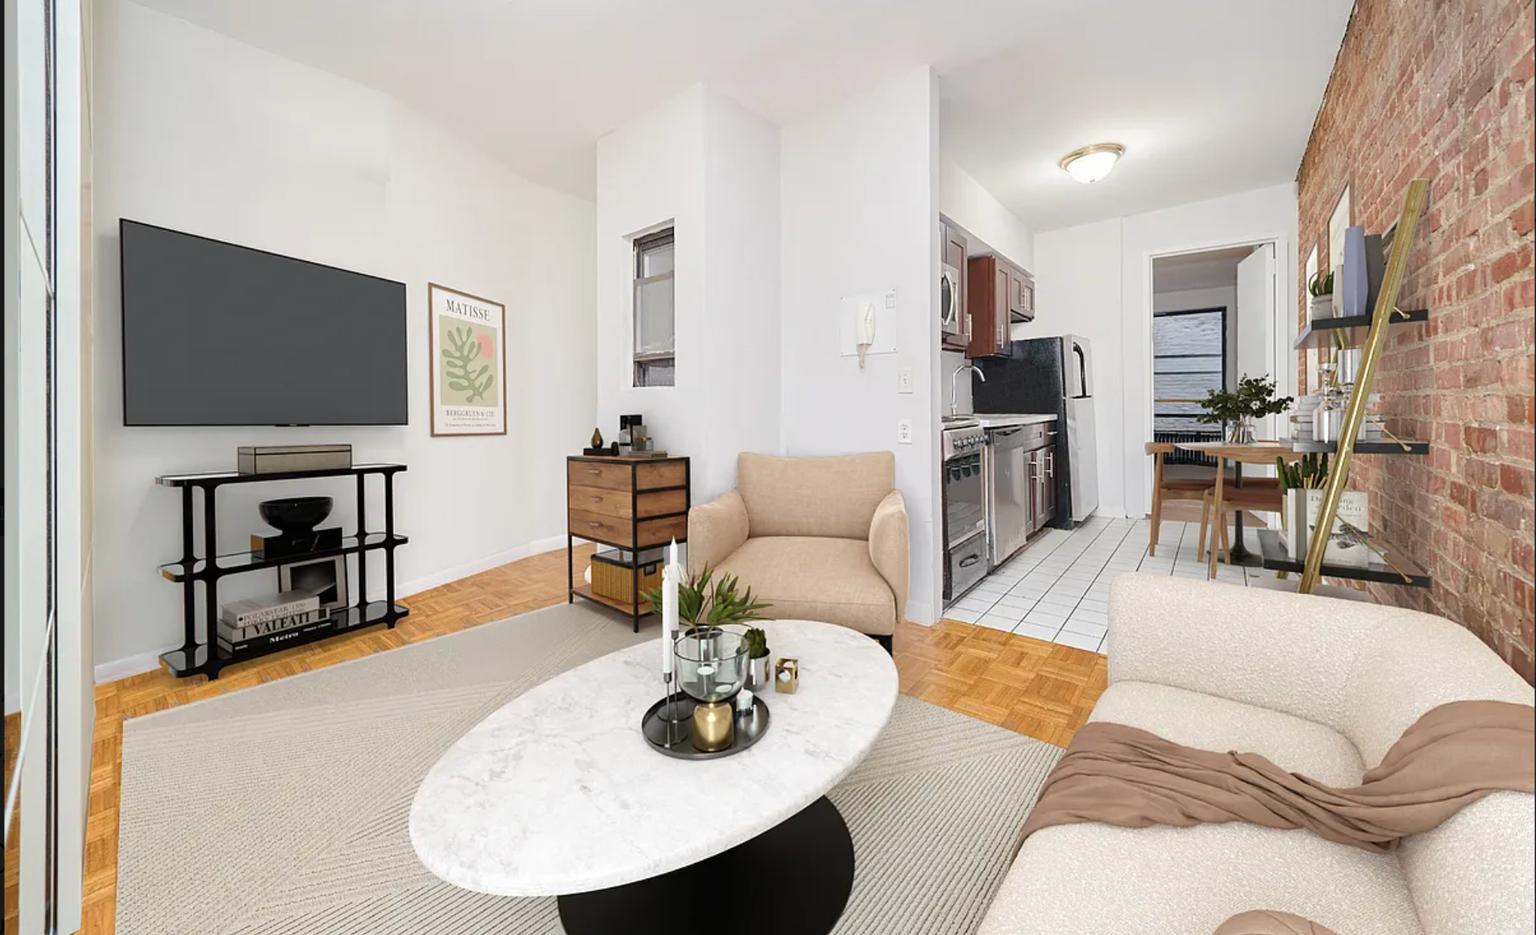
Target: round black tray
x,y
750,728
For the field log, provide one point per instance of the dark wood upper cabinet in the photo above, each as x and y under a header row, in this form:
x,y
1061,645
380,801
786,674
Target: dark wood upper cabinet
x,y
1021,296
991,295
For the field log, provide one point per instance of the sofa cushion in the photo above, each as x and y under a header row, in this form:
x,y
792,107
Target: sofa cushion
x,y
814,496
1094,878
808,578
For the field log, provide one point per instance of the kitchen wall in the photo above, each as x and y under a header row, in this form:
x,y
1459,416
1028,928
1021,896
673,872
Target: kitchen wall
x,y
198,132
860,211
711,168
1096,280
965,202
1445,92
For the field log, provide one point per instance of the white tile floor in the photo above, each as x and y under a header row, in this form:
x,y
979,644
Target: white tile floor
x,y
1057,588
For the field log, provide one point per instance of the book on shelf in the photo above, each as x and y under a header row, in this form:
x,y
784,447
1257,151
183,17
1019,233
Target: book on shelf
x,y
268,640
235,634
270,607
1302,506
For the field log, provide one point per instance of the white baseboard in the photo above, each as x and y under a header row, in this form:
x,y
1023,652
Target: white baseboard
x,y
148,662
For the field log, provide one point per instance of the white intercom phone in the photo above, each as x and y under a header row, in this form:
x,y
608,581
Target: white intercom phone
x,y
866,329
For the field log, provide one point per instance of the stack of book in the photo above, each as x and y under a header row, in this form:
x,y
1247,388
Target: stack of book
x,y
264,622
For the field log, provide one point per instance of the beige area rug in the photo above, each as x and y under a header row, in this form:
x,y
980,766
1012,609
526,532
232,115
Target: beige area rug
x,y
282,808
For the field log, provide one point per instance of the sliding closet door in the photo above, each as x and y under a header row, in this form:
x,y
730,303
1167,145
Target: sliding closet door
x,y
47,685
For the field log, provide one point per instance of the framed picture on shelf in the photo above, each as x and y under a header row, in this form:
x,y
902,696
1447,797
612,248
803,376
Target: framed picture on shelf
x,y
467,343
324,577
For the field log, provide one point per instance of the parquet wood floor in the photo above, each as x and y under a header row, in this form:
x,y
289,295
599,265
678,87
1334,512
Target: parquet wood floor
x,y
1034,688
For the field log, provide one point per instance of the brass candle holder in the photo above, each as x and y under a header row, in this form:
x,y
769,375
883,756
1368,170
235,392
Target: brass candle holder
x,y
786,676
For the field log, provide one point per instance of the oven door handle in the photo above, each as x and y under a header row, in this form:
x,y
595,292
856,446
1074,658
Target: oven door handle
x,y
969,561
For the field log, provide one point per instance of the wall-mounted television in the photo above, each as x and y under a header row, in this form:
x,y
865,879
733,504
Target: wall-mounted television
x,y
219,334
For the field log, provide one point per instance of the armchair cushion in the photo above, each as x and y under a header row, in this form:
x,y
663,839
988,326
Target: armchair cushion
x,y
811,578
814,496
715,530
889,545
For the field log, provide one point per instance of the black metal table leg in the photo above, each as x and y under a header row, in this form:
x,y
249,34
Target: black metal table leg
x,y
570,569
189,583
809,858
362,537
1239,552
389,551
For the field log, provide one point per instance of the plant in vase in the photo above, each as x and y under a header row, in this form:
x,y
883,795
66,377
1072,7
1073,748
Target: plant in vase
x,y
1309,473
1320,288
1254,398
757,659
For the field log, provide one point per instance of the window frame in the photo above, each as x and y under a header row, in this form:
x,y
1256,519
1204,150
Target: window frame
x,y
664,235
1226,363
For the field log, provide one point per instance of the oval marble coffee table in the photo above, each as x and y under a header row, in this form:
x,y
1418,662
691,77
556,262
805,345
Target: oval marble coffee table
x,y
557,794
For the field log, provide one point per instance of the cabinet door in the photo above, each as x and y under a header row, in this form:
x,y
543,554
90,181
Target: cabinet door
x,y
988,308
1027,297
1002,346
1047,485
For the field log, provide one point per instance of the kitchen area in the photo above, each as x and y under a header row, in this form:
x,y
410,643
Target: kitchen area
x,y
1017,436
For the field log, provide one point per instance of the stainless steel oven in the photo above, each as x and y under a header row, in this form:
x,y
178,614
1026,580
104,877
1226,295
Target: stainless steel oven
x,y
965,508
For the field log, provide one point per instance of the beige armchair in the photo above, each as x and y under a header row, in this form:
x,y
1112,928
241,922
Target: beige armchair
x,y
818,538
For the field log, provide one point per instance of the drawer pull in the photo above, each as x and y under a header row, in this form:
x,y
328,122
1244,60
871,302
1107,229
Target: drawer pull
x,y
594,471
596,525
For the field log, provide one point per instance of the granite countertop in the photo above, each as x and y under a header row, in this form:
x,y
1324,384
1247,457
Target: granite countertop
x,y
997,420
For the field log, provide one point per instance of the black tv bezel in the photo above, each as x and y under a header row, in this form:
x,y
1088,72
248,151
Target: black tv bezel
x,y
122,309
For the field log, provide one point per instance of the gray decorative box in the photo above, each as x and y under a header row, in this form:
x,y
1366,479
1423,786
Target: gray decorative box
x,y
282,459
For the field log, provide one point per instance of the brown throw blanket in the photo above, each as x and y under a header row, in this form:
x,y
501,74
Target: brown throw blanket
x,y
1449,758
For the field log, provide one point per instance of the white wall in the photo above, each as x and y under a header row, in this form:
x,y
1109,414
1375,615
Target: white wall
x,y
201,133
711,168
991,228
860,214
1096,280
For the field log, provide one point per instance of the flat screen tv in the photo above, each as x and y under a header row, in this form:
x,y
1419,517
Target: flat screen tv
x,y
219,334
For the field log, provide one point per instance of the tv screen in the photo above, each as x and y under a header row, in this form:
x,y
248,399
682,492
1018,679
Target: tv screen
x,y
218,334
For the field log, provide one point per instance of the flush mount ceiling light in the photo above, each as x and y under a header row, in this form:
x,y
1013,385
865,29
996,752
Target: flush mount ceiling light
x,y
1092,163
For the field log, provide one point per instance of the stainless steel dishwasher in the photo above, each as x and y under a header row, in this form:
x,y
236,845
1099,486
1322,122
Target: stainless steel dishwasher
x,y
1008,489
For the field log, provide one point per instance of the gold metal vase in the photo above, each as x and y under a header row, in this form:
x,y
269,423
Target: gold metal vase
x,y
713,726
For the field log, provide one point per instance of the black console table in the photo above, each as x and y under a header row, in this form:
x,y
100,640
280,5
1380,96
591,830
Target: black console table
x,y
203,656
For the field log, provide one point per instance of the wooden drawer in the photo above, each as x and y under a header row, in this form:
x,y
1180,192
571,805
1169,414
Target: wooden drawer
x,y
663,474
654,532
610,529
597,474
616,531
617,503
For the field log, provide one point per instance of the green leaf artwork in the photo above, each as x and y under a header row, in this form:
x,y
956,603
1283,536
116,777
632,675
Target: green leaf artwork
x,y
469,364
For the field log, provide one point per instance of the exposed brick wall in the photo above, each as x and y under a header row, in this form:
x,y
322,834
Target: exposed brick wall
x,y
1443,90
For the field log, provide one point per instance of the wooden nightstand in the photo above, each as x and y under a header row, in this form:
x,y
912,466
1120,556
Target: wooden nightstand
x,y
626,503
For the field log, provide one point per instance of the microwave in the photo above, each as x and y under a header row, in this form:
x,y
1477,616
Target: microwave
x,y
949,301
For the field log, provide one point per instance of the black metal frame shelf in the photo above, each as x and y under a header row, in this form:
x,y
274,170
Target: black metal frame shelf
x,y
1276,558
203,656
1323,332
1384,446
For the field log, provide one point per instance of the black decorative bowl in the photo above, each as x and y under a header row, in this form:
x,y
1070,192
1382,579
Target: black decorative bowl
x,y
296,514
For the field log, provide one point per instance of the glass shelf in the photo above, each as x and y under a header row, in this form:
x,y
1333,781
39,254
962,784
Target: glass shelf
x,y
237,562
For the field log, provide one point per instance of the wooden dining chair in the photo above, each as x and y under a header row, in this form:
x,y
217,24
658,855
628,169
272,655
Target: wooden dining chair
x,y
1259,494
1163,488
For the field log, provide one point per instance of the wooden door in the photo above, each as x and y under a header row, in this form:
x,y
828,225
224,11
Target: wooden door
x,y
988,308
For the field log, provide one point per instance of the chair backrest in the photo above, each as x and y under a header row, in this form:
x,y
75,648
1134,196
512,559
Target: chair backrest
x,y
833,497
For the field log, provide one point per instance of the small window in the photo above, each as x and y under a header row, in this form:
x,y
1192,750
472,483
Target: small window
x,y
655,328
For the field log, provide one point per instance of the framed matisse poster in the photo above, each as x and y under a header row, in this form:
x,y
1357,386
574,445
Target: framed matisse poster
x,y
467,342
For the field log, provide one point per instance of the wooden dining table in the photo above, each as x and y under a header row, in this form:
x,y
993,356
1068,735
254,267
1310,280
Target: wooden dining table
x,y
1258,452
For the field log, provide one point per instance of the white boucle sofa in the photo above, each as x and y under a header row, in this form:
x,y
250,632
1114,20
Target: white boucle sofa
x,y
1322,687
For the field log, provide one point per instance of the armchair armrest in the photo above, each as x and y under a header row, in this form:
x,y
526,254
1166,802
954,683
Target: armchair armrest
x,y
889,546
715,530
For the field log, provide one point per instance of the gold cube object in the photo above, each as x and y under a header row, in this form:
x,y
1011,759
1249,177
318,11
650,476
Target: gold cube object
x,y
786,675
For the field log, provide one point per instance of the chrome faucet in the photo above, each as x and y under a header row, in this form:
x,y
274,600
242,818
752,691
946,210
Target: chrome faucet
x,y
954,392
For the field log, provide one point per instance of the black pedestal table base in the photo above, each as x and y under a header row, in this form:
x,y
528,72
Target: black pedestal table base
x,y
792,878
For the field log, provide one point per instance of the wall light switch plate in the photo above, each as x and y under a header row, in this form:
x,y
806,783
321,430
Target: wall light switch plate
x,y
904,432
904,380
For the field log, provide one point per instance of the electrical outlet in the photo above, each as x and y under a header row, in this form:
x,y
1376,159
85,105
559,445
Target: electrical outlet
x,y
904,380
904,432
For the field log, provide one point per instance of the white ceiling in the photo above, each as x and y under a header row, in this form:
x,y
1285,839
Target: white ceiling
x,y
1209,96
1209,269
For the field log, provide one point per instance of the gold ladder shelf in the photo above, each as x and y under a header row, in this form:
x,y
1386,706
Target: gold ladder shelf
x,y
1414,204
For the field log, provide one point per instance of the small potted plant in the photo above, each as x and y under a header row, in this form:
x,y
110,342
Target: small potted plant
x,y
1309,473
1321,290
707,603
1254,398
757,659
